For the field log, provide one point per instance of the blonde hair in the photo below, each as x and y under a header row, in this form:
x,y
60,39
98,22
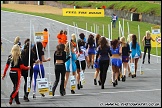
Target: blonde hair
x,y
17,39
148,33
67,47
73,37
129,39
15,52
123,41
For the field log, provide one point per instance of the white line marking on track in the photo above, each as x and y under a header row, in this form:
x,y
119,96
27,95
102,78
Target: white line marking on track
x,y
131,91
14,31
7,40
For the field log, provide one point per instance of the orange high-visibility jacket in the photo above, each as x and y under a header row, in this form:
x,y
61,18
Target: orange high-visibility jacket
x,y
59,38
45,36
63,39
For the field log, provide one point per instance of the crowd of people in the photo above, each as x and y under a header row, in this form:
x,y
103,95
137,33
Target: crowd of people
x,y
73,56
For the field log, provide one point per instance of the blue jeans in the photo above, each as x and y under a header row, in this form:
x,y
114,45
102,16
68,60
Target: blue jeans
x,y
36,72
113,23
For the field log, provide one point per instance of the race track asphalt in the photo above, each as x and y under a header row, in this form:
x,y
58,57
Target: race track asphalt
x,y
144,90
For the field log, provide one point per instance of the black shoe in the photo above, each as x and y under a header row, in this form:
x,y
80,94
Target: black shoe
x,y
53,91
81,86
92,66
99,82
116,82
34,96
95,82
78,86
123,78
61,93
148,62
17,102
72,92
43,95
119,77
102,86
64,92
113,84
26,99
143,62
132,76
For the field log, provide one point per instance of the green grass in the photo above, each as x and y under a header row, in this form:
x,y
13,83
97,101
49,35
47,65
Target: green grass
x,y
81,22
142,6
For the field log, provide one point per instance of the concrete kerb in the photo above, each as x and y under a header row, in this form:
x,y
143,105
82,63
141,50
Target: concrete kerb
x,y
65,25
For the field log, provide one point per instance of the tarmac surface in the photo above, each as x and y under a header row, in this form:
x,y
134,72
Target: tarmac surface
x,y
142,91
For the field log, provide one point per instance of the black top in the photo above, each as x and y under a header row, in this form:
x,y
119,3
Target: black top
x,y
25,58
61,56
12,63
126,50
103,53
148,42
40,56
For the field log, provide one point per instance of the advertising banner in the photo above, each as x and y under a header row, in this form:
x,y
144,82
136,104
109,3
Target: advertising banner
x,y
83,12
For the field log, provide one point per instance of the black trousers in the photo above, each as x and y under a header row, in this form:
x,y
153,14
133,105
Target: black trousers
x,y
25,75
59,69
145,50
104,64
15,78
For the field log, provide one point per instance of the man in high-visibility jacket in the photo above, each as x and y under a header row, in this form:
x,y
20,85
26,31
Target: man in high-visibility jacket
x,y
45,38
59,36
64,37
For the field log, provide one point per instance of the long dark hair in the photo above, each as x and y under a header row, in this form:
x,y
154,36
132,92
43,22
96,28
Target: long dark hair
x,y
82,36
103,42
59,49
91,40
26,48
80,43
115,43
40,49
134,41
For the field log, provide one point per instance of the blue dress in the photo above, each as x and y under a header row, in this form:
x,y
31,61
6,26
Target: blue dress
x,y
71,60
135,52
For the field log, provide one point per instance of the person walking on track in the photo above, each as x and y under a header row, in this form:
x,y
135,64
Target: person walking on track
x,y
115,61
70,61
81,61
59,62
91,47
15,61
125,51
135,52
25,61
45,38
38,64
104,54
